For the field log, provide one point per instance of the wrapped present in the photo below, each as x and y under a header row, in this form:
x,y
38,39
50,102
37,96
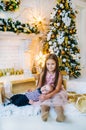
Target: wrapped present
x,y
73,96
81,103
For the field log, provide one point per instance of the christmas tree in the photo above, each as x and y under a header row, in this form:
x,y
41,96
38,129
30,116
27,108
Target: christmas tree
x,y
62,38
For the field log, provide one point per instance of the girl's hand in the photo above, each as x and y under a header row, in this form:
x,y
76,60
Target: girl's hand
x,y
42,97
31,101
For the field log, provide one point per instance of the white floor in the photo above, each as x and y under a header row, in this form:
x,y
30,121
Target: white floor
x,y
24,120
75,120
77,85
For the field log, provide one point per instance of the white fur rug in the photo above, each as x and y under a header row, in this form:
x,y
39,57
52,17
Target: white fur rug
x,y
12,110
14,118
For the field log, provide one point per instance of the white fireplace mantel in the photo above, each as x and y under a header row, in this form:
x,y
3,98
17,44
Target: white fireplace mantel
x,y
14,48
7,35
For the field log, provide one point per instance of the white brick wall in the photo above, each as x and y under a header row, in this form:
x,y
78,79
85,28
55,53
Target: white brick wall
x,y
12,53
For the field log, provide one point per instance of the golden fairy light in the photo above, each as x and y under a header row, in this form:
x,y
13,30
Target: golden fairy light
x,y
40,59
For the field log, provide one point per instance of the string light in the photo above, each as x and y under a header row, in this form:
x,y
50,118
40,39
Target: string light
x,y
40,59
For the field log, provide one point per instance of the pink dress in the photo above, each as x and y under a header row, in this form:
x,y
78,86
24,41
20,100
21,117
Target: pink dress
x,y
59,99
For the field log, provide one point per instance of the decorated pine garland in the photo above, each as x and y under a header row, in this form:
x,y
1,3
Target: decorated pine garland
x,y
17,26
9,5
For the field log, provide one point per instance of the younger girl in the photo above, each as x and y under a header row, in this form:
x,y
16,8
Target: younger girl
x,y
43,90
30,97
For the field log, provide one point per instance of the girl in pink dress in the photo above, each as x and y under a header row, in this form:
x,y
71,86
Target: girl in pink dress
x,y
58,97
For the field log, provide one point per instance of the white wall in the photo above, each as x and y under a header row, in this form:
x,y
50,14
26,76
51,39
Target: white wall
x,y
80,6
81,24
12,53
83,41
83,35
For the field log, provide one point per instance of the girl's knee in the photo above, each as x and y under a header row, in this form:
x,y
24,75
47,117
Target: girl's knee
x,y
45,107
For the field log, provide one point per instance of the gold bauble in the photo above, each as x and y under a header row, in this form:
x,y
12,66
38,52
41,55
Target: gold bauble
x,y
60,61
79,50
5,28
74,30
71,31
58,1
72,16
68,47
66,39
65,26
57,35
63,65
62,7
67,64
72,73
76,67
62,52
59,11
63,1
66,4
55,24
53,36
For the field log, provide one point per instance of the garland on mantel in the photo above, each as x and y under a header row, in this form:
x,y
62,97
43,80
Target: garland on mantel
x,y
9,5
17,26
